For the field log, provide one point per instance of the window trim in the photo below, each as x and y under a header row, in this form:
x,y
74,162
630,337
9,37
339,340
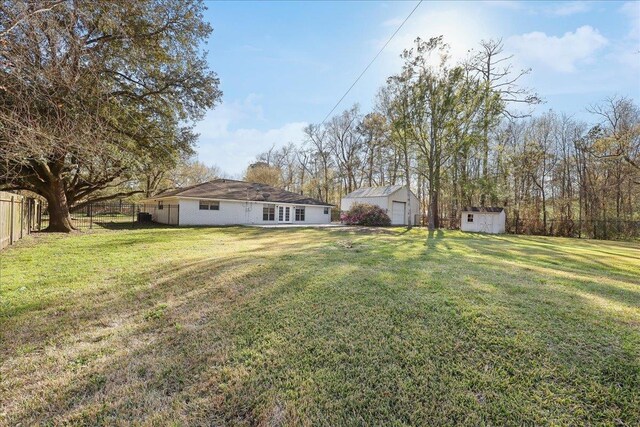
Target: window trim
x,y
470,217
299,214
269,211
160,205
326,211
209,205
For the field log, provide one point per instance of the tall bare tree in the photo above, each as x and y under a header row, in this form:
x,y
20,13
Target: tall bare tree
x,y
496,71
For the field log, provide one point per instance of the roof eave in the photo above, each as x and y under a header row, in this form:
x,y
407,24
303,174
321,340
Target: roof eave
x,y
235,200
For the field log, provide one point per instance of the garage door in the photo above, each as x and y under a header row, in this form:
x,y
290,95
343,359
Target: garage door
x,y
398,216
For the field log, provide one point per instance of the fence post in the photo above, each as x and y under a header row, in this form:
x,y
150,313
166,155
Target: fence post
x,y
90,216
169,214
22,218
28,216
11,223
133,213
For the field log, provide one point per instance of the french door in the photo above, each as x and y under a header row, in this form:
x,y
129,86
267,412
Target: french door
x,y
284,214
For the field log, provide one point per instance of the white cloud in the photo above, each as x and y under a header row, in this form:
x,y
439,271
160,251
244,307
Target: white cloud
x,y
233,148
626,51
570,8
632,11
558,53
505,4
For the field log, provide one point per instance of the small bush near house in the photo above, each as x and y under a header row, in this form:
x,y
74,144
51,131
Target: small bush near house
x,y
364,214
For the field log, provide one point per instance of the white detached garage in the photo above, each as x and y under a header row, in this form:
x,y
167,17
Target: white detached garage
x,y
392,198
483,220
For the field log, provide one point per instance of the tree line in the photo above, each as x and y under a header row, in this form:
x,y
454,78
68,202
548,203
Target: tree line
x,y
462,134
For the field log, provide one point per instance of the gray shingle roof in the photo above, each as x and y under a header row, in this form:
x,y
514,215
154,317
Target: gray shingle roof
x,y
481,209
373,191
240,190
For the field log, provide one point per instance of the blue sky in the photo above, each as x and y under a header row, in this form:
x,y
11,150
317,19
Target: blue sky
x,y
283,65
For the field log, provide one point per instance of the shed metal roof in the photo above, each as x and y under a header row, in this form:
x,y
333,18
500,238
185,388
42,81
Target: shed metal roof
x,y
482,209
373,191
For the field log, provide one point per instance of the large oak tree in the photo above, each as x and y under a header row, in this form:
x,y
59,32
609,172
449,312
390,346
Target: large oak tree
x,y
93,92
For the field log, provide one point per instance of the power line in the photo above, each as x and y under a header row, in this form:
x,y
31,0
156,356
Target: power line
x,y
372,61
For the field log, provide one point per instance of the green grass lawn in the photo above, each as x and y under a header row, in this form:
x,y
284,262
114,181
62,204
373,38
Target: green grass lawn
x,y
247,326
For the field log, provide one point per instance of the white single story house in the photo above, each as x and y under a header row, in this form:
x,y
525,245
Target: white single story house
x,y
483,220
392,198
230,202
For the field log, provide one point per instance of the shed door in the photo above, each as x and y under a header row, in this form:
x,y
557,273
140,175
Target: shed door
x,y
486,223
398,213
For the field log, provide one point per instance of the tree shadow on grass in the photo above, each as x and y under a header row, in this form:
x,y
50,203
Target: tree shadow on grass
x,y
434,237
302,335
150,335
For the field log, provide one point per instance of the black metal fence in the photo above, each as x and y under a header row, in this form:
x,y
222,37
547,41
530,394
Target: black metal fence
x,y
117,215
606,229
443,223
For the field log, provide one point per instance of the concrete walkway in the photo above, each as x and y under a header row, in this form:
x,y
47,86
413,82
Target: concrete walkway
x,y
331,225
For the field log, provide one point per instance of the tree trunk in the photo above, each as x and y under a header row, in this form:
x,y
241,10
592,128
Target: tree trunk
x,y
433,200
485,168
436,210
544,210
370,172
408,180
59,216
433,209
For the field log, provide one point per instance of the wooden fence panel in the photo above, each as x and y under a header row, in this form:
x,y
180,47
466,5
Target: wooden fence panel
x,y
18,217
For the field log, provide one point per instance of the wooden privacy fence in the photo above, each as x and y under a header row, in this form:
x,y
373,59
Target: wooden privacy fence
x,y
19,216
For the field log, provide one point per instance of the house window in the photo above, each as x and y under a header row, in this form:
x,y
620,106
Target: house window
x,y
160,205
469,217
299,214
206,205
269,212
326,211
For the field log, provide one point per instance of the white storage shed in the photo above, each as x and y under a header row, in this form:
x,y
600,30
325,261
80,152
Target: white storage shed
x,y
483,220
